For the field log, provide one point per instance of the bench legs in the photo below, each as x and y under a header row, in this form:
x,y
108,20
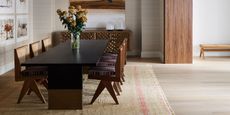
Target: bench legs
x,y
202,53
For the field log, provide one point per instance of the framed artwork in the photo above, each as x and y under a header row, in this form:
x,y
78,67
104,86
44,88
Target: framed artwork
x,y
22,6
7,28
7,6
99,4
22,28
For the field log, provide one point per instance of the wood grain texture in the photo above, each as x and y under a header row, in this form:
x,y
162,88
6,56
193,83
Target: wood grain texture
x,y
178,31
99,4
213,48
201,88
71,99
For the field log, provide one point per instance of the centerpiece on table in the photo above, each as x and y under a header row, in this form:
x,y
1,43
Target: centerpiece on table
x,y
74,20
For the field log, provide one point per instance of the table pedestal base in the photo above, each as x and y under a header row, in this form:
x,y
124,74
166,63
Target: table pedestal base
x,y
65,87
65,99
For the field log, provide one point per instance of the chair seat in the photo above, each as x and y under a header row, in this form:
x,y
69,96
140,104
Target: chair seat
x,y
107,60
104,64
104,57
110,54
102,71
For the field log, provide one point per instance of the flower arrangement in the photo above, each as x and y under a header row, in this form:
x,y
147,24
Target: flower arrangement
x,y
8,28
74,20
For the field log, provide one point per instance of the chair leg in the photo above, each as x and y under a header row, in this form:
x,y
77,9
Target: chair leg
x,y
116,88
30,84
121,82
203,54
100,88
200,53
35,88
29,92
109,87
122,78
25,88
45,83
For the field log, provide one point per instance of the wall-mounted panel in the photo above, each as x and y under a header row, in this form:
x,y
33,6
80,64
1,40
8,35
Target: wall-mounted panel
x,y
178,31
99,4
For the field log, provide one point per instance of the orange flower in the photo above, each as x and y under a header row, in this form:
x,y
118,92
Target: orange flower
x,y
8,27
74,19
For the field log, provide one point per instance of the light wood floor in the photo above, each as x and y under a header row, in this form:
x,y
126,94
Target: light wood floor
x,y
201,88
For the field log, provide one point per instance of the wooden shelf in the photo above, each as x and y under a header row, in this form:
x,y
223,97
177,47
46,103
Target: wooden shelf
x,y
103,4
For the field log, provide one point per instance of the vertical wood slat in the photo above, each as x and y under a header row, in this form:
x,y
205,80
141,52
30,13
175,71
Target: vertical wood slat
x,y
178,31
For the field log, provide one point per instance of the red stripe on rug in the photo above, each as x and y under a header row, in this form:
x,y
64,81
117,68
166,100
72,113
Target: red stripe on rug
x,y
139,91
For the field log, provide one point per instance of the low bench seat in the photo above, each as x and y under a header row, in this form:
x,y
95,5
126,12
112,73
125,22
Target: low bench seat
x,y
213,48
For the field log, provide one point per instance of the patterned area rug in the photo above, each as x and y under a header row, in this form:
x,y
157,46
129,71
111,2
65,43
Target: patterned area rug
x,y
141,95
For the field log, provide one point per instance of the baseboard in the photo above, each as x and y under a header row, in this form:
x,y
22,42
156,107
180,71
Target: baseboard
x,y
149,54
133,53
6,68
162,57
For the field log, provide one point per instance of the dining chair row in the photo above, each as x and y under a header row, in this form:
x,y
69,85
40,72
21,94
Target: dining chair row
x,y
32,75
110,69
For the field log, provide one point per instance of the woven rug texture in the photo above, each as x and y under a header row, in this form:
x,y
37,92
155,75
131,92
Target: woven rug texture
x,y
141,95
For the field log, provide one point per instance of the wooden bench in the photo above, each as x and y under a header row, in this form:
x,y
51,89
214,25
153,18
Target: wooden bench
x,y
213,48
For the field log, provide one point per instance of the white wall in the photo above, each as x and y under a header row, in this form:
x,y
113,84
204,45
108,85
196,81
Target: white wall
x,y
98,18
211,24
7,48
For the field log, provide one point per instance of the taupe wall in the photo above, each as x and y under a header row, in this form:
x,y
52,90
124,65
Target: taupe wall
x,y
162,27
133,22
43,11
151,31
59,4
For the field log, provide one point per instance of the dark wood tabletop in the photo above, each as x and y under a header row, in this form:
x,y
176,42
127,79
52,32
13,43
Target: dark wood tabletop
x,y
88,54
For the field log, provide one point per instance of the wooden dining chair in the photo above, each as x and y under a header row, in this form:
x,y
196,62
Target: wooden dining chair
x,y
27,74
46,44
35,50
113,48
111,51
107,75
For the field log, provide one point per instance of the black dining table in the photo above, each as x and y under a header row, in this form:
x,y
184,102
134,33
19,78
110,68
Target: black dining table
x,y
65,71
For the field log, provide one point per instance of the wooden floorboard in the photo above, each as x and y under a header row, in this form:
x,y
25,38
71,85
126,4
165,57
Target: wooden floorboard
x,y
202,88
